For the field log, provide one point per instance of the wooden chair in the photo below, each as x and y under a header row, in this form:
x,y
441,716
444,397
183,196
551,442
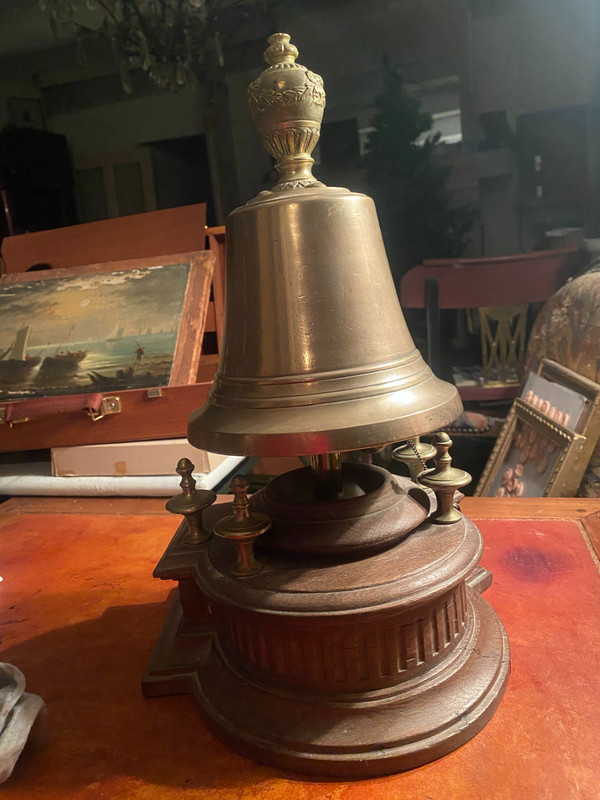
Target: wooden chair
x,y
501,289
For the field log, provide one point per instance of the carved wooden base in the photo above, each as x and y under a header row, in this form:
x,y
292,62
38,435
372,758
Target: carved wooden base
x,y
360,736
336,668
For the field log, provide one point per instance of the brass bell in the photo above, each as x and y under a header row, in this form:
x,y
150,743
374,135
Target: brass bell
x,y
316,357
354,643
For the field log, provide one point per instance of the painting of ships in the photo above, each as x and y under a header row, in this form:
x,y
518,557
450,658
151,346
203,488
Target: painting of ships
x,y
15,365
86,331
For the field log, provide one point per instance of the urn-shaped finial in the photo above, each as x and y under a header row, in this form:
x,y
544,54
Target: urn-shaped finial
x,y
287,102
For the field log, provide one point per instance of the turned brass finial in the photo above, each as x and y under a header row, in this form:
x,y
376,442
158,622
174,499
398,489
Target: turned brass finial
x,y
191,503
280,50
414,454
184,469
287,102
444,479
242,528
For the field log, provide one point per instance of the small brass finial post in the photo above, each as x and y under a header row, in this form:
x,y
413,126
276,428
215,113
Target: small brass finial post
x,y
414,454
242,528
444,479
191,503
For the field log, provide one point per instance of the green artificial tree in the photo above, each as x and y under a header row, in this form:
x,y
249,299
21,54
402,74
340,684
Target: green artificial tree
x,y
417,216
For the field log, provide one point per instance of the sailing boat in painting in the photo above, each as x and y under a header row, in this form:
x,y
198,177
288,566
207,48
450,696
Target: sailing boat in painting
x,y
16,366
116,335
64,362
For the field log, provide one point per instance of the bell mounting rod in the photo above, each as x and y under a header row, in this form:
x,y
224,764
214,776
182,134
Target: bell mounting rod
x,y
329,482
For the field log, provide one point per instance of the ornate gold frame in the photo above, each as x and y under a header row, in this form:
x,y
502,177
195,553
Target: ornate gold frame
x,y
568,468
589,425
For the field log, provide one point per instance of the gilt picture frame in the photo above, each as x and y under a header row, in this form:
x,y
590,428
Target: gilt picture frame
x,y
104,327
534,456
589,423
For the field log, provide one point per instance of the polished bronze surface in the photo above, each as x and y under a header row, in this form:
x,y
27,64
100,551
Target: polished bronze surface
x,y
316,356
445,480
191,503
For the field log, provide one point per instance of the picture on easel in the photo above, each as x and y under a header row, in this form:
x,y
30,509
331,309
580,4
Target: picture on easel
x,y
122,325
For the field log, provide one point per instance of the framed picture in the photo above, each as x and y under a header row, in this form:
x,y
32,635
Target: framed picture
x,y
588,421
104,327
560,403
534,456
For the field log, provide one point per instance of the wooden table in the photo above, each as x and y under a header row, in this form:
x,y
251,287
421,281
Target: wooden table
x,y
80,613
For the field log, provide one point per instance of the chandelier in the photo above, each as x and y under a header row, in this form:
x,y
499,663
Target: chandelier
x,y
176,43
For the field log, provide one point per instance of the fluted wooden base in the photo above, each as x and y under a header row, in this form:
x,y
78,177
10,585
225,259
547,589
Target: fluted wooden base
x,y
360,736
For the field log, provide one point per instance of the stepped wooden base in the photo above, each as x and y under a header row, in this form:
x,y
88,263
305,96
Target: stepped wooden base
x,y
349,669
360,736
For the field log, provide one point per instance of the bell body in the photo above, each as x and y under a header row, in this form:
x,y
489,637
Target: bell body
x,y
316,356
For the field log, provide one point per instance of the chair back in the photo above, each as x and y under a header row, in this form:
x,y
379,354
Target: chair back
x,y
501,289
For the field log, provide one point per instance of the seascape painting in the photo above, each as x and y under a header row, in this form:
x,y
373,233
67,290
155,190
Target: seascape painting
x,y
90,332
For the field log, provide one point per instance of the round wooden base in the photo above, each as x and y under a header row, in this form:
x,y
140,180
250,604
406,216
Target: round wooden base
x,y
363,734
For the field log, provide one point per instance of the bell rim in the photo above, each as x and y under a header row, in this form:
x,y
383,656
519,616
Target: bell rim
x,y
262,432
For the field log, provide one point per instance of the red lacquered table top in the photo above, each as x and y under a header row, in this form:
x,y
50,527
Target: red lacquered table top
x,y
80,613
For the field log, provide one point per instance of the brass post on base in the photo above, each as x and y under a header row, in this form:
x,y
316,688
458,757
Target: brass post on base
x,y
242,528
191,503
444,480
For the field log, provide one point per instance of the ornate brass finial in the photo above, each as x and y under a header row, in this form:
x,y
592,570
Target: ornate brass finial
x,y
242,528
414,454
444,480
287,102
191,503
